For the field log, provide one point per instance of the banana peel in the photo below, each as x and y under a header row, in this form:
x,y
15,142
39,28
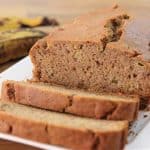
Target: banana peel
x,y
17,43
10,23
38,21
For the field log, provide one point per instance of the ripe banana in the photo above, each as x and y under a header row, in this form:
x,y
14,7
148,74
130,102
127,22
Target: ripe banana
x,y
16,43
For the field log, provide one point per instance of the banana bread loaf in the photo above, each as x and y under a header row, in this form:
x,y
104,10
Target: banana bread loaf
x,y
62,129
103,51
104,106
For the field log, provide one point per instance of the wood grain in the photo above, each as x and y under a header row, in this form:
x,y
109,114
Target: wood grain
x,y
63,10
6,145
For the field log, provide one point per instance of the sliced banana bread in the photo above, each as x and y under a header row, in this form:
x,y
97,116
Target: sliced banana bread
x,y
106,50
62,129
114,107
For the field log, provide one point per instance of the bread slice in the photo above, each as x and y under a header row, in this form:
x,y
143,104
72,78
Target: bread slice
x,y
114,107
62,129
103,51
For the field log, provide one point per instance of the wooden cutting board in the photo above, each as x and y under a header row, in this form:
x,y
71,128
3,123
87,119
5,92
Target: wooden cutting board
x,y
62,10
6,145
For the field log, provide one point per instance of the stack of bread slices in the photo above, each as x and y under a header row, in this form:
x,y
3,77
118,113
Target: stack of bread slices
x,y
88,80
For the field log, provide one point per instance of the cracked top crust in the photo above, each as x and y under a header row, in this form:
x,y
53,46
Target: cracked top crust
x,y
111,27
89,27
135,37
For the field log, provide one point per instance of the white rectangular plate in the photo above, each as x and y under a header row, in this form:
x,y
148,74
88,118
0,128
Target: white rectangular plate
x,y
138,140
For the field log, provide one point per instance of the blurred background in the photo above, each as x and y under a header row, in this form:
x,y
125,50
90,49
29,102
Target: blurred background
x,y
64,9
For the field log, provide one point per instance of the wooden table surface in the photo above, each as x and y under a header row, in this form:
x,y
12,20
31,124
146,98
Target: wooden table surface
x,y
63,10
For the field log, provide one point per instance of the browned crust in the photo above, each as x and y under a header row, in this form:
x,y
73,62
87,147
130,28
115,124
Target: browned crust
x,y
57,135
70,103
